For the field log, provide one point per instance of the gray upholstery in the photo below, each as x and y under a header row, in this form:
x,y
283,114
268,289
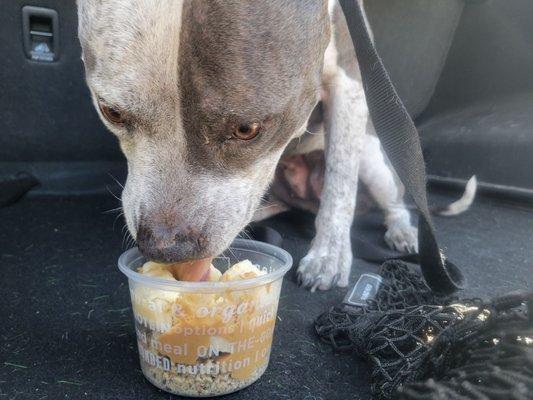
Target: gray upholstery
x,y
480,119
413,38
492,54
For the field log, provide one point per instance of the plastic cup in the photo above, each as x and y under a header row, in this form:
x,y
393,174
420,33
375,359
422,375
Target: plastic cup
x,y
207,338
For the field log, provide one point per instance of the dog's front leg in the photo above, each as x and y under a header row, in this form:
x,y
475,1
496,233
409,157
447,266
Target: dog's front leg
x,y
329,259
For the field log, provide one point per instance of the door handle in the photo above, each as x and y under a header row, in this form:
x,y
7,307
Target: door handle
x,y
40,32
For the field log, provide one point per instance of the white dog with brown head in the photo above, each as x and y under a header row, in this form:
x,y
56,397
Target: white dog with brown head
x,y
205,97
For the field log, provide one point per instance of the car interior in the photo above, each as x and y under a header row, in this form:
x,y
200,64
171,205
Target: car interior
x,y
463,71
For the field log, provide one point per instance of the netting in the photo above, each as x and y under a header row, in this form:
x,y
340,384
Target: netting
x,y
424,346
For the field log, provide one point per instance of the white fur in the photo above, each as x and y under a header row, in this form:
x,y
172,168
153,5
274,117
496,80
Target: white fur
x,y
329,259
463,203
388,192
350,151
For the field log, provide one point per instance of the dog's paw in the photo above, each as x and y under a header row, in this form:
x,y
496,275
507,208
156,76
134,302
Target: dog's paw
x,y
402,236
327,265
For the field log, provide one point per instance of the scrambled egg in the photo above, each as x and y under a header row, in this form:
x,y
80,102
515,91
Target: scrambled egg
x,y
242,270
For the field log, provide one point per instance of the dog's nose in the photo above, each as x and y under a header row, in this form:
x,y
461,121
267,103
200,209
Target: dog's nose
x,y
164,242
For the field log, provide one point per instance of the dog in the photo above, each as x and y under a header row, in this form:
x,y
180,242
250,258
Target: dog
x,y
211,100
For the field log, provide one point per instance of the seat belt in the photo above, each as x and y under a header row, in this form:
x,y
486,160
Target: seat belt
x,y
400,141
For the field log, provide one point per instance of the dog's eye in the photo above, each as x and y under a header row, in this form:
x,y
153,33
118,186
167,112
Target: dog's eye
x,y
247,131
111,114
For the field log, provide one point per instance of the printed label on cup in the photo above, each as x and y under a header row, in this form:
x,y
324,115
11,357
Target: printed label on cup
x,y
193,334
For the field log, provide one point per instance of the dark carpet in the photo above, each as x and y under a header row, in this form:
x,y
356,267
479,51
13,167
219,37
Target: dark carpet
x,y
67,329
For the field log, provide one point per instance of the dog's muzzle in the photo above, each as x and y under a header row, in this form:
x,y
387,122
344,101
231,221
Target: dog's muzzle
x,y
163,242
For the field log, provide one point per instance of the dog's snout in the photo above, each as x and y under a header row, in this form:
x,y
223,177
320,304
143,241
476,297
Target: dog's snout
x,y
170,241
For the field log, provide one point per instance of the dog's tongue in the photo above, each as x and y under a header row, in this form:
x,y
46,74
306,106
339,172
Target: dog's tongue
x,y
194,271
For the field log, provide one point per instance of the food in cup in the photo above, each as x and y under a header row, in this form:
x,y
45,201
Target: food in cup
x,y
205,338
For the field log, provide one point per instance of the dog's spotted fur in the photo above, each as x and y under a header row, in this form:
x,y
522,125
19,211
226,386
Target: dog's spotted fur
x,y
185,73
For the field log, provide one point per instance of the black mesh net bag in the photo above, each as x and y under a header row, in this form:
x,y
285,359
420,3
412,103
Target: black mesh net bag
x,y
424,346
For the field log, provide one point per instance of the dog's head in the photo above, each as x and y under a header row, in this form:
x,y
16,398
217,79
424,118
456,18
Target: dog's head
x,y
203,95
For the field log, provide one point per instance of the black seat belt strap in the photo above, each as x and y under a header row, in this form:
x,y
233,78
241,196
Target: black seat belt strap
x,y
400,141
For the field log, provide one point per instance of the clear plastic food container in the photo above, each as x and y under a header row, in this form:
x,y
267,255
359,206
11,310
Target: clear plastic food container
x,y
207,338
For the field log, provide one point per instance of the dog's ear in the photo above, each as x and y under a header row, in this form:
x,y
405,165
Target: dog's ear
x,y
86,12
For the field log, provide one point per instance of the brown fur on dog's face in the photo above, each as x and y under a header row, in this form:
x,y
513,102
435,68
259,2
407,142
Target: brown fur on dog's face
x,y
183,76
